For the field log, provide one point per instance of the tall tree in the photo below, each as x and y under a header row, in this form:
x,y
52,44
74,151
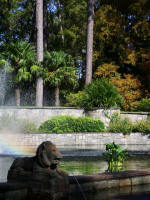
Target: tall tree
x,y
60,71
39,26
89,51
60,22
22,64
45,24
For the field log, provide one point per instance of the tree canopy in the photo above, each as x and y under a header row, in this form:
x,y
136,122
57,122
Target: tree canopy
x,y
121,43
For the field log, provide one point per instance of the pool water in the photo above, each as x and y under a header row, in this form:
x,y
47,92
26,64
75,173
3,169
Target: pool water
x,y
82,165
91,165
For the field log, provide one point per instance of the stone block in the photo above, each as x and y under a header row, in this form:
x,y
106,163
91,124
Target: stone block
x,y
113,183
140,180
94,186
125,182
100,185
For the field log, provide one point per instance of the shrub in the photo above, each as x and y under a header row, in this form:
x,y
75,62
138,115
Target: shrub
x,y
120,125
142,126
75,99
129,87
100,94
68,124
144,105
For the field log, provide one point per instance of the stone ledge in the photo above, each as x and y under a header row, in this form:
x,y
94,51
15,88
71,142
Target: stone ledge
x,y
110,176
124,182
110,180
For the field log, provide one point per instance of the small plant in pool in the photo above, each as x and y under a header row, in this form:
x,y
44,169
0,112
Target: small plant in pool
x,y
115,156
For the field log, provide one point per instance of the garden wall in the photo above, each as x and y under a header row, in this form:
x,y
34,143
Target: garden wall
x,y
74,144
135,116
39,115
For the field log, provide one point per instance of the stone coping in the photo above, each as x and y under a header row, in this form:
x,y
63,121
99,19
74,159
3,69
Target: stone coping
x,y
109,176
135,113
35,107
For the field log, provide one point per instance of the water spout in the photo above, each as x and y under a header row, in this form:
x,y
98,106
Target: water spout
x,y
3,83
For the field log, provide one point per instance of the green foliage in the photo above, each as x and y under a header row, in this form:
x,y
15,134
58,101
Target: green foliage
x,y
100,94
75,99
68,124
120,125
14,125
2,62
121,37
56,59
115,157
144,105
124,125
22,60
59,68
142,126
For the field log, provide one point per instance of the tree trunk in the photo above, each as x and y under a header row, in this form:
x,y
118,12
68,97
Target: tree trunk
x,y
45,24
17,91
60,21
89,51
57,102
39,91
39,26
32,38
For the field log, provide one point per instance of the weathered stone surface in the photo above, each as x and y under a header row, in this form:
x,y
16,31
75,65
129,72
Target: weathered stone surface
x,y
28,142
125,182
40,174
140,180
104,183
113,183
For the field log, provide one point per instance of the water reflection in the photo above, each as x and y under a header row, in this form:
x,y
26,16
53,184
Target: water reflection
x,y
82,165
91,165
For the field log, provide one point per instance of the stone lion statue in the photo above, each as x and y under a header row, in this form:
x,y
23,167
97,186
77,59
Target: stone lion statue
x,y
42,169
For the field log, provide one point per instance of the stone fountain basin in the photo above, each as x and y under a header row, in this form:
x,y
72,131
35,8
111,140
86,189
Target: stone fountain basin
x,y
88,183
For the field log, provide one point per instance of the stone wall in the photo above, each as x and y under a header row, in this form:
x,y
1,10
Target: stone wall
x,y
39,115
133,184
133,116
82,144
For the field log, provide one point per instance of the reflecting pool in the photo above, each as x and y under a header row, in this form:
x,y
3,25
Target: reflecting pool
x,y
91,165
82,165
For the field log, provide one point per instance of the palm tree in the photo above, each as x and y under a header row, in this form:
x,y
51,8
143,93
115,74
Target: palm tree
x,y
89,52
21,57
39,25
60,69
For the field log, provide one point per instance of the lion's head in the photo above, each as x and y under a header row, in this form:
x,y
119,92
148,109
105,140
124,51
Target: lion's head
x,y
48,155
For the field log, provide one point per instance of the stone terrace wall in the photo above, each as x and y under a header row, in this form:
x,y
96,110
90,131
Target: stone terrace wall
x,y
75,141
133,116
39,115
